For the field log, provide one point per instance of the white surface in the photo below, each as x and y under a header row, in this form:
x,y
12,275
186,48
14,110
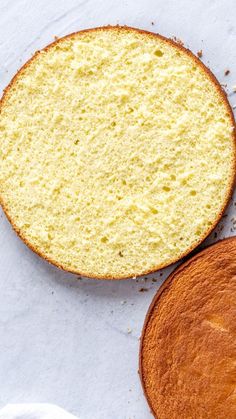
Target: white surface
x,y
64,341
34,411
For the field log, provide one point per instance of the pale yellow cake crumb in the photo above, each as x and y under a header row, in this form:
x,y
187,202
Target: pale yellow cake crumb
x,y
117,152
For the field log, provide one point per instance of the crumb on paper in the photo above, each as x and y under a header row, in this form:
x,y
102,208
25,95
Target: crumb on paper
x,y
227,71
200,53
123,302
152,23
161,273
129,330
234,88
154,280
178,41
234,223
143,289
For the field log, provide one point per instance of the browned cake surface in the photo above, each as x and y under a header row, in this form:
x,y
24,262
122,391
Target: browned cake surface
x,y
188,349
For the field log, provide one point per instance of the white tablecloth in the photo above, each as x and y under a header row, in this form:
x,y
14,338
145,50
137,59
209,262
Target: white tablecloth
x,y
34,411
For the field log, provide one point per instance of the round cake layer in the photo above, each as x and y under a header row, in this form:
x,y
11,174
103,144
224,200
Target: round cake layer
x,y
117,152
188,347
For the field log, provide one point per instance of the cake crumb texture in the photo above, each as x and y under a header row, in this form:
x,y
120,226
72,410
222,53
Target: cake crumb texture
x,y
115,142
188,348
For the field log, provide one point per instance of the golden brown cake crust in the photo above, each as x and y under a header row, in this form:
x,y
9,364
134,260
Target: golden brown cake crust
x,y
188,345
224,100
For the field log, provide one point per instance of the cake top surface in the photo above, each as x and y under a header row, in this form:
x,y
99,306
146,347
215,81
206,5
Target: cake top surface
x,y
188,348
117,152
